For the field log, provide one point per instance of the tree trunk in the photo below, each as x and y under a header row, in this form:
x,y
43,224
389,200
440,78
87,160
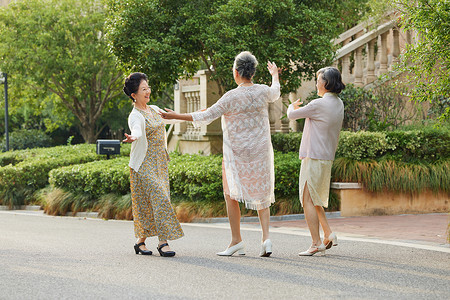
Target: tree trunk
x,y
89,133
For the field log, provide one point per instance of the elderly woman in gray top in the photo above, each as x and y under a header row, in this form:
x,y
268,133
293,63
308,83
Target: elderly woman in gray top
x,y
247,169
320,137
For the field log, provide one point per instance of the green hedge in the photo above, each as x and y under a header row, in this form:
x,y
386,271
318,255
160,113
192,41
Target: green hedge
x,y
414,145
25,171
19,181
192,177
197,180
286,142
26,138
94,178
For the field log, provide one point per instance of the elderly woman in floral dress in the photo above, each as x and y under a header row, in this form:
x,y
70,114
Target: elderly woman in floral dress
x,y
248,168
153,214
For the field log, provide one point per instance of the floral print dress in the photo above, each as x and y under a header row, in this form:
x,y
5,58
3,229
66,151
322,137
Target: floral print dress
x,y
153,213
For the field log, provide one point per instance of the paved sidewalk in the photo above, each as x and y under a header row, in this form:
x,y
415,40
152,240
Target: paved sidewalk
x,y
426,228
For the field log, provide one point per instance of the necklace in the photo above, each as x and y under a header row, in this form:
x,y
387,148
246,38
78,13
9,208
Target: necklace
x,y
143,109
242,83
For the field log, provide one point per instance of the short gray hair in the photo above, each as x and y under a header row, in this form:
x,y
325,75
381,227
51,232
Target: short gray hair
x,y
245,64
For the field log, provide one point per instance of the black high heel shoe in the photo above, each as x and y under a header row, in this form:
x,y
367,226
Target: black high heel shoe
x,y
165,253
139,250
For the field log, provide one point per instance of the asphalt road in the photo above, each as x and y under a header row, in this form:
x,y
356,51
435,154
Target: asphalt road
x,y
44,257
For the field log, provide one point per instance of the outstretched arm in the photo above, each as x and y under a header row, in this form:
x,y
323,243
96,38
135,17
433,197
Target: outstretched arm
x,y
170,114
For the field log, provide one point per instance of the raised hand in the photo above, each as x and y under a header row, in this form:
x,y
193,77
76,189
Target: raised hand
x,y
272,67
129,138
297,103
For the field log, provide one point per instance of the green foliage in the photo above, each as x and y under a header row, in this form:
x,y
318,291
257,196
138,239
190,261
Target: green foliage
x,y
114,206
391,175
380,108
425,144
59,47
59,202
24,139
192,177
195,177
362,144
286,142
95,178
427,61
179,37
287,170
30,170
428,144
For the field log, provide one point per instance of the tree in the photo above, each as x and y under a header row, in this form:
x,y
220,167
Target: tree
x,y
59,46
167,39
428,62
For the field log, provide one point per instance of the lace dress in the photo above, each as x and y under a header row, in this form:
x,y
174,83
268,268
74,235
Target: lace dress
x,y
247,147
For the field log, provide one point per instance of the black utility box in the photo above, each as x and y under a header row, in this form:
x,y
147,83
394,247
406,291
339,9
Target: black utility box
x,y
108,147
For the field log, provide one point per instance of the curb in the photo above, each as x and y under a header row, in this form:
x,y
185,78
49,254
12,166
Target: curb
x,y
83,214
330,215
21,207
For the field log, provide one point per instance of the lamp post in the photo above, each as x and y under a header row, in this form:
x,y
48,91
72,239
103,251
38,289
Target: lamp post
x,y
4,80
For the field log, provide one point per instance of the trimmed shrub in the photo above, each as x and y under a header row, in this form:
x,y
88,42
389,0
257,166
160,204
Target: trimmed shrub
x,y
94,178
362,145
287,170
13,157
429,144
286,142
196,177
30,171
26,138
192,177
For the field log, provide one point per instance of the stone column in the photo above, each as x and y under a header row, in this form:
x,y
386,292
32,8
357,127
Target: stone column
x,y
370,77
272,117
180,105
293,124
395,47
284,121
383,54
358,65
346,76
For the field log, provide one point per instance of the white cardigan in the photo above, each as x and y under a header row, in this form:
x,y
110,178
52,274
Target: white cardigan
x,y
136,123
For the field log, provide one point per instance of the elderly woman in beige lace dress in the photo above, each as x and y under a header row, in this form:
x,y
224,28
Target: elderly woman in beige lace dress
x,y
248,168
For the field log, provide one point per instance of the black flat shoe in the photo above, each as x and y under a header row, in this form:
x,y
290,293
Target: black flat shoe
x,y
139,250
166,253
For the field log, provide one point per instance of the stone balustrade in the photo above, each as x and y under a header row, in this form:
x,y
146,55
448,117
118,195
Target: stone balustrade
x,y
368,53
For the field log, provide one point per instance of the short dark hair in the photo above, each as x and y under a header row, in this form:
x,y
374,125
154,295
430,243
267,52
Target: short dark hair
x,y
245,63
332,78
132,83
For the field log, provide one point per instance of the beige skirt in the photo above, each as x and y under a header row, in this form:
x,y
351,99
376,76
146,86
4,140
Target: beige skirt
x,y
316,173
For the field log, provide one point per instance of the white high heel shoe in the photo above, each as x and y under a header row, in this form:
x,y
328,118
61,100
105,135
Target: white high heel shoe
x,y
266,248
239,248
313,250
332,240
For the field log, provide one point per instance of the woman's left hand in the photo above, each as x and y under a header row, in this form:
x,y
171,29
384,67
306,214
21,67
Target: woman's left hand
x,y
168,114
297,103
272,67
